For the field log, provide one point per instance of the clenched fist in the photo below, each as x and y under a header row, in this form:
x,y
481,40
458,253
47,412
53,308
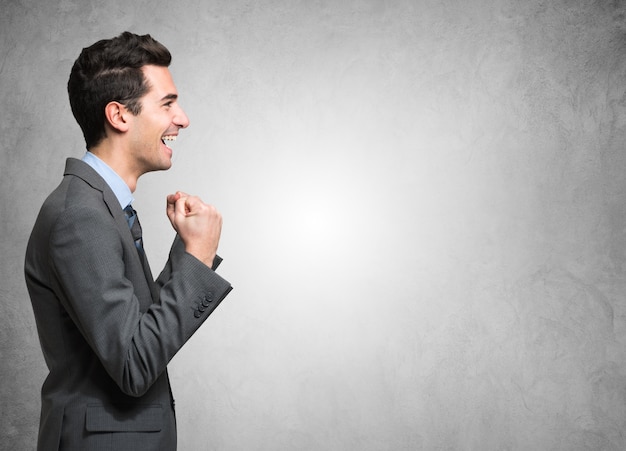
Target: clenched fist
x,y
198,224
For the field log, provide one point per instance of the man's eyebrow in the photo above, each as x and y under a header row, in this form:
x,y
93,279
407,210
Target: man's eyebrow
x,y
170,97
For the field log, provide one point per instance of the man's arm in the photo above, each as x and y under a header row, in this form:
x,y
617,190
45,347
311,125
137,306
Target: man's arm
x,y
89,259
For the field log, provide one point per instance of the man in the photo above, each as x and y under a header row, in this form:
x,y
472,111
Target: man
x,y
107,328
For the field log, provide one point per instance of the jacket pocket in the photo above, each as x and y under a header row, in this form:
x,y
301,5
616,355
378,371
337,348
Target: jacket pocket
x,y
130,418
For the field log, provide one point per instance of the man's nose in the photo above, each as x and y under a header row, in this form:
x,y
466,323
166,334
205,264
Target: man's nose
x,y
181,119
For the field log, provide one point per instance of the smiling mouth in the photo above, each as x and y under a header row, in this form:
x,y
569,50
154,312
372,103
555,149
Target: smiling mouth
x,y
169,138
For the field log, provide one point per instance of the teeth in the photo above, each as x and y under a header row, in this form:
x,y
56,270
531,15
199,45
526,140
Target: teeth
x,y
169,138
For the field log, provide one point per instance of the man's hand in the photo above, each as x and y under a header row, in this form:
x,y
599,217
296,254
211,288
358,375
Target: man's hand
x,y
198,224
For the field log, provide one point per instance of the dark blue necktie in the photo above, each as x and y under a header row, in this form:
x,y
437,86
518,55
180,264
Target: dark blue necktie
x,y
135,230
135,227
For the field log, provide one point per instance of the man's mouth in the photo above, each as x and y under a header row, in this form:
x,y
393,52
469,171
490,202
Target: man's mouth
x,y
168,138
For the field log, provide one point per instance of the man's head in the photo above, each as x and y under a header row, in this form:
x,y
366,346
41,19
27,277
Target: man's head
x,y
111,71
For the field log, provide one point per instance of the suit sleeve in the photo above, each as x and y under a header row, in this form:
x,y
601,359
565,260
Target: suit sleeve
x,y
177,250
88,259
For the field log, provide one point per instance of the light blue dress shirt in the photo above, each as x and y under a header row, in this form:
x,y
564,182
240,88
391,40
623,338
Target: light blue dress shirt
x,y
115,182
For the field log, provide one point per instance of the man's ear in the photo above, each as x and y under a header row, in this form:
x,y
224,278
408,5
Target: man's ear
x,y
117,116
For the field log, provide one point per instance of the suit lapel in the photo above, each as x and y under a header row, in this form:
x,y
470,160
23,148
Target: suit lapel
x,y
82,170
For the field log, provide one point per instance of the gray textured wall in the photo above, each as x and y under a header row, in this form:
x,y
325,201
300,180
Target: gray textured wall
x,y
424,216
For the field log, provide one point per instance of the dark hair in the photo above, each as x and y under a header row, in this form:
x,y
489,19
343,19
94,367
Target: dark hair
x,y
107,71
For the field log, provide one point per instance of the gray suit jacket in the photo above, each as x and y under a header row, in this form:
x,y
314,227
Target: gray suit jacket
x,y
108,330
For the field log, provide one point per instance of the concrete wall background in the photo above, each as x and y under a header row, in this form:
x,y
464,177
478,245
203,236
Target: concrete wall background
x,y
424,216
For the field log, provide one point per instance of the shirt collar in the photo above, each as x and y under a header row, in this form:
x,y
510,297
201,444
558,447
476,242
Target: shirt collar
x,y
115,182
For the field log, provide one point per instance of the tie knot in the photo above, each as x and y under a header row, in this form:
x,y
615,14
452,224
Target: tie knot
x,y
129,211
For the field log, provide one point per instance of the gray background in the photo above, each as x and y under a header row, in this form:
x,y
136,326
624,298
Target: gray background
x,y
423,211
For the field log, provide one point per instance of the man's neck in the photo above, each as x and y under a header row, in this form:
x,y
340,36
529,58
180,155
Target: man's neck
x,y
115,158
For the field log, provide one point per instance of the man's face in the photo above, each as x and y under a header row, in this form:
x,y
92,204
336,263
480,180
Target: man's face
x,y
159,121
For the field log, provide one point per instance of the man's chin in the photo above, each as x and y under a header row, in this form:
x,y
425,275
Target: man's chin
x,y
165,166
161,167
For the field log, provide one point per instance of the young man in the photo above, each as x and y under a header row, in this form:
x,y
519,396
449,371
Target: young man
x,y
107,328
